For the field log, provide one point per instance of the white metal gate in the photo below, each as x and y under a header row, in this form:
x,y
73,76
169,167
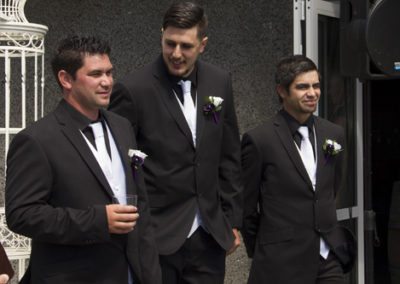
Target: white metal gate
x,y
21,100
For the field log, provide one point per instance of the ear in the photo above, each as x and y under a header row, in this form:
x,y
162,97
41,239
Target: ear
x,y
203,44
281,91
65,79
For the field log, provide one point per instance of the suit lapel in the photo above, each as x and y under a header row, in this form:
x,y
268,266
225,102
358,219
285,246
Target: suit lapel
x,y
169,99
202,92
288,143
75,137
321,133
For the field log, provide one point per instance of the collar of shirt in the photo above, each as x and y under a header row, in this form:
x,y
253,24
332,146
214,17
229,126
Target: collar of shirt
x,y
82,122
192,78
294,125
177,88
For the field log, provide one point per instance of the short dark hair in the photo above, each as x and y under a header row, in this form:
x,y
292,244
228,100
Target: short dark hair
x,y
186,15
290,67
71,51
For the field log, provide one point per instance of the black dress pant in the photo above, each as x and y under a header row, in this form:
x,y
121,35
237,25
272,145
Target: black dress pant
x,y
201,260
330,271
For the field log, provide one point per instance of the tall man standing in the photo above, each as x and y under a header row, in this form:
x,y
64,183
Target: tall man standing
x,y
182,111
62,173
292,172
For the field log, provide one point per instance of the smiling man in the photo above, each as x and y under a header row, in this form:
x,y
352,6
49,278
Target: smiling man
x,y
60,182
182,111
291,177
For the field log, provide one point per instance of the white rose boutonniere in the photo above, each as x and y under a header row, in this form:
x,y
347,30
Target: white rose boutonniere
x,y
212,107
331,148
137,159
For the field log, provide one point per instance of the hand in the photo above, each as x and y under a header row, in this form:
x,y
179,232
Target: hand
x,y
236,242
4,278
121,218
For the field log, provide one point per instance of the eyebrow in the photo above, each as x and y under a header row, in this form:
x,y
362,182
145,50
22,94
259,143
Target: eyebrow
x,y
96,71
184,44
302,85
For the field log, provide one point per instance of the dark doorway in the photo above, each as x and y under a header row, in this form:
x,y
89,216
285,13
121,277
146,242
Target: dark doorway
x,y
384,121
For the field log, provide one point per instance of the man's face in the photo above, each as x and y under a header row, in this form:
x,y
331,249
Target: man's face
x,y
303,96
180,49
92,86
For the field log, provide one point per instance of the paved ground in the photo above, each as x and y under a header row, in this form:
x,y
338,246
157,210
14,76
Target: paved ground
x,y
237,267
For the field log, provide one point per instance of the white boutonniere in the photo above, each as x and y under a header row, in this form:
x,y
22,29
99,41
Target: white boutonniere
x,y
212,107
331,148
137,158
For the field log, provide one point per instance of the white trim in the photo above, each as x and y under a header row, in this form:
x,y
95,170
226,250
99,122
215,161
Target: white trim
x,y
360,183
298,16
42,85
10,130
35,92
23,89
7,69
312,32
16,27
314,8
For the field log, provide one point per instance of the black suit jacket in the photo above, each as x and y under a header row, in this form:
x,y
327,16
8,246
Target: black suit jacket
x,y
284,217
178,175
56,194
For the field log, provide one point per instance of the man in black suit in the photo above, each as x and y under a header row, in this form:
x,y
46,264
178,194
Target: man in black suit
x,y
289,224
191,136
62,176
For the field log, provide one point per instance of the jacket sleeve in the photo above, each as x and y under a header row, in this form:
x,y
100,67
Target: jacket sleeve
x,y
229,170
29,185
252,172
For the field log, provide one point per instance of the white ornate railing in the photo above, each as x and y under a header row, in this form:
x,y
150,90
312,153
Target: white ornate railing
x,y
17,247
22,55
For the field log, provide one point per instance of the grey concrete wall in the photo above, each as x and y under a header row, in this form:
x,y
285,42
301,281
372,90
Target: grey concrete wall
x,y
246,37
